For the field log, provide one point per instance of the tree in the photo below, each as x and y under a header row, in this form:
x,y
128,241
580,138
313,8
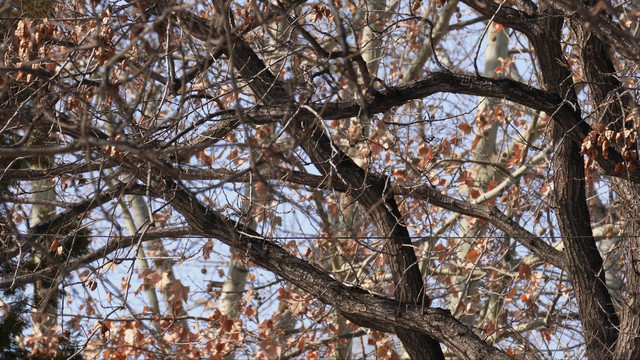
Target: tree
x,y
384,197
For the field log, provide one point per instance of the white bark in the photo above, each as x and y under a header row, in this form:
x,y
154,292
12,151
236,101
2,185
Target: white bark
x,y
46,293
485,151
436,34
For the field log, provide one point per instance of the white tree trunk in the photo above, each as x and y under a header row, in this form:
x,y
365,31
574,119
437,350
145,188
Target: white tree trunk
x,y
485,151
46,293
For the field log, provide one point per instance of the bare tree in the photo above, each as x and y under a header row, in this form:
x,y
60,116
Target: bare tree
x,y
319,179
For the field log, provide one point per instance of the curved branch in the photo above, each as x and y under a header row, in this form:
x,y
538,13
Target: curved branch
x,y
371,191
560,110
272,92
358,305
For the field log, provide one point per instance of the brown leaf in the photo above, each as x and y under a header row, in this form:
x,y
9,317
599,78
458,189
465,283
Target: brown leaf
x,y
473,255
525,272
474,193
465,128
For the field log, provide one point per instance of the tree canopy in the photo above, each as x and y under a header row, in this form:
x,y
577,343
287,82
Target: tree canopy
x,y
319,179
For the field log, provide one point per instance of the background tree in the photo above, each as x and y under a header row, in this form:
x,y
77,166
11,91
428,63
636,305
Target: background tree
x,y
381,195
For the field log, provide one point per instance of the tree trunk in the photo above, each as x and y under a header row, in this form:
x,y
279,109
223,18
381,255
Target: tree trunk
x,y
583,259
612,106
45,291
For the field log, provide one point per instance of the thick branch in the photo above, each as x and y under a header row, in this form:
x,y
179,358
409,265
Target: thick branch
x,y
504,15
359,306
584,263
560,110
604,86
370,191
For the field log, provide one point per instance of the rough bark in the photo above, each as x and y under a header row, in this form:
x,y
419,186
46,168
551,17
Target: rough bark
x,y
368,189
597,313
359,306
612,105
408,315
374,194
628,344
584,263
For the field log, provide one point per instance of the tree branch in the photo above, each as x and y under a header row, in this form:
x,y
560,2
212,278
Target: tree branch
x,y
121,242
70,215
358,305
490,214
507,16
561,111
